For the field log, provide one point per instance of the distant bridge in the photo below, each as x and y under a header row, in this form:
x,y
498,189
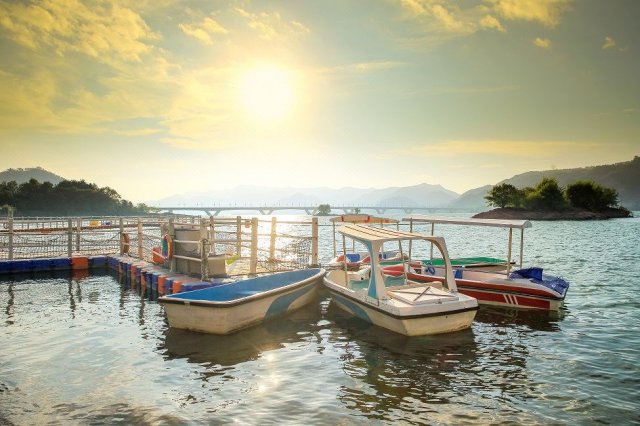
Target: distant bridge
x,y
310,210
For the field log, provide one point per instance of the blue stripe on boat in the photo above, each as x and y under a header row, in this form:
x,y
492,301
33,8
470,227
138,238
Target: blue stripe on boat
x,y
281,304
353,307
245,288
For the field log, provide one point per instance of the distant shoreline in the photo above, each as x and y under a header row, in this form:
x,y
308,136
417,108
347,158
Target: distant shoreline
x,y
570,214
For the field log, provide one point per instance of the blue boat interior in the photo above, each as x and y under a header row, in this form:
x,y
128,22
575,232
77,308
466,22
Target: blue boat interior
x,y
535,274
246,288
353,257
389,281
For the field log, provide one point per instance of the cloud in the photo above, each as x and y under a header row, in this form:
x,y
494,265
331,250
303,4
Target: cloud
x,y
439,18
271,25
546,12
362,67
194,144
497,148
24,102
204,30
543,43
491,23
106,32
609,42
477,90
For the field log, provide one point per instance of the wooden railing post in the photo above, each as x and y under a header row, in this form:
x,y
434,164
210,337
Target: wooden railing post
x,y
121,236
204,251
212,235
253,263
78,231
140,251
239,236
314,241
172,234
272,242
69,237
10,238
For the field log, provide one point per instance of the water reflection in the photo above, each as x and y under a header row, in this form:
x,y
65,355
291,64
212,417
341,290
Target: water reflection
x,y
399,371
428,377
123,413
245,345
538,320
72,301
10,302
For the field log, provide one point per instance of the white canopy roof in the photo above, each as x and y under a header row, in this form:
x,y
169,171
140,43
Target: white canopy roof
x,y
368,233
499,223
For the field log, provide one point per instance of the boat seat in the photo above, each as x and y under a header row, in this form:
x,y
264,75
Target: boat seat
x,y
436,284
421,295
357,284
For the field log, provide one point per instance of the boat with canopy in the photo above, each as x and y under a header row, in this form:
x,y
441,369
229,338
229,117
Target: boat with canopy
x,y
399,303
492,281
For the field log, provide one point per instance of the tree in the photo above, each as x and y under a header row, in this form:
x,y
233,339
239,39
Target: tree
x,y
65,198
547,195
503,195
591,196
8,192
324,209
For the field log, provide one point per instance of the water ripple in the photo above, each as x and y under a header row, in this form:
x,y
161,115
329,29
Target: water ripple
x,y
90,351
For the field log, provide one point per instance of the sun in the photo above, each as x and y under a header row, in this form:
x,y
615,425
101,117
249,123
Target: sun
x,y
267,93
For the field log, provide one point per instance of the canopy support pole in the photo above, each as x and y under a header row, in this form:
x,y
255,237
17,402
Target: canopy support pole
x,y
521,245
509,251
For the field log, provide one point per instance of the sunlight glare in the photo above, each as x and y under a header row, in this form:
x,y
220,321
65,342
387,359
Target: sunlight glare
x,y
267,93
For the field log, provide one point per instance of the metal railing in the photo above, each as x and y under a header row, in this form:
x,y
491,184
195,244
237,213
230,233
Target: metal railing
x,y
258,244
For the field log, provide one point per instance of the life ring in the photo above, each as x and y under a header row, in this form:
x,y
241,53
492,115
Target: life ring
x,y
125,243
167,247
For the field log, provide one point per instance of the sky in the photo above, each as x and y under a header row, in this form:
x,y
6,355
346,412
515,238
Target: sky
x,y
159,97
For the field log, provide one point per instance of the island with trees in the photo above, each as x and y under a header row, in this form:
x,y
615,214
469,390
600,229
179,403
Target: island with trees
x,y
580,200
66,198
323,210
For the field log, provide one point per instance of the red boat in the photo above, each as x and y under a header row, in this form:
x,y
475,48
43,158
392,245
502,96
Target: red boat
x,y
491,283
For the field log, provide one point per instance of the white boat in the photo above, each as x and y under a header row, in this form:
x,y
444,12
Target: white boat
x,y
406,307
227,308
491,281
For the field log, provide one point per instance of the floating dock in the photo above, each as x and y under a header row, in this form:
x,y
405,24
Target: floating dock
x,y
148,276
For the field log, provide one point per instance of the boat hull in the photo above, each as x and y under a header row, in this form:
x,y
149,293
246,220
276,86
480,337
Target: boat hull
x,y
421,326
510,299
421,322
508,293
227,317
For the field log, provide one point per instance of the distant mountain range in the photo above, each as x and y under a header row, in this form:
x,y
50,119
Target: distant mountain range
x,y
24,175
409,196
624,177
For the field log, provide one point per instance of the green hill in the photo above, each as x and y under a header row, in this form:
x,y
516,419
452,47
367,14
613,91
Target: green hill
x,y
24,175
624,177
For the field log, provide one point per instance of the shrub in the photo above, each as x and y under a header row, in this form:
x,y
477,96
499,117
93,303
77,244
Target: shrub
x,y
324,209
503,195
591,196
547,195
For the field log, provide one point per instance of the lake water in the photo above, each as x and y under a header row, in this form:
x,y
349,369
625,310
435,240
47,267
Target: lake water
x,y
88,350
